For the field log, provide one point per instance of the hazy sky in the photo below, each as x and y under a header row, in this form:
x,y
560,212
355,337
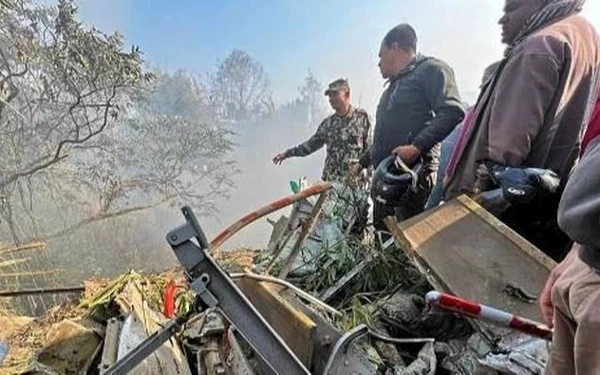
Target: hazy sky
x,y
333,37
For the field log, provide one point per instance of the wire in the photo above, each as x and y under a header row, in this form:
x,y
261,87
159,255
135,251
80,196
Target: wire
x,y
296,290
394,340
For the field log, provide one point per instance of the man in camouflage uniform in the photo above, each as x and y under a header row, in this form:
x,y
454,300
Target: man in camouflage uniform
x,y
346,134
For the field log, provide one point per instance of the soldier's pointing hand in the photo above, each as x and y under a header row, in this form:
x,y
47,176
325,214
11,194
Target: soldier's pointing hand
x,y
279,158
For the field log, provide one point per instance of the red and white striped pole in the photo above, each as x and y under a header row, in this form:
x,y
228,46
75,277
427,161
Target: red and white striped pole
x,y
488,314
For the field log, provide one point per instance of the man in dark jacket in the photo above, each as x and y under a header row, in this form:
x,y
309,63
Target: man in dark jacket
x,y
571,299
419,108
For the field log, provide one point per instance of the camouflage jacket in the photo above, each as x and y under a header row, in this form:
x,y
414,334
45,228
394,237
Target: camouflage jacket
x,y
346,139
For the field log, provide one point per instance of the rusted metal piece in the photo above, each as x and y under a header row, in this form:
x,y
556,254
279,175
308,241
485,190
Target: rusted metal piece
x,y
291,287
272,207
294,327
325,334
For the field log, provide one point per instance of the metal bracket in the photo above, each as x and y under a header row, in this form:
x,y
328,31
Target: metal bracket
x,y
214,288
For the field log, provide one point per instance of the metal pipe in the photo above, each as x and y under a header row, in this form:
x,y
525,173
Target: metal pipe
x,y
394,340
29,292
273,206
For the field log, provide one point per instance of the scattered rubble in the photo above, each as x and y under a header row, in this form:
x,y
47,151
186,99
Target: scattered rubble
x,y
370,282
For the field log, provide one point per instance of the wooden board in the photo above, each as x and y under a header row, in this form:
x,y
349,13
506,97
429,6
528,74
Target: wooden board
x,y
295,328
469,253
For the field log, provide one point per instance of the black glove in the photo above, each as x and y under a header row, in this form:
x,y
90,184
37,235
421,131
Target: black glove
x,y
493,201
523,185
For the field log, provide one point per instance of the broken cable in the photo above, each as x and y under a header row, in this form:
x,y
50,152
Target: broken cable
x,y
394,340
299,292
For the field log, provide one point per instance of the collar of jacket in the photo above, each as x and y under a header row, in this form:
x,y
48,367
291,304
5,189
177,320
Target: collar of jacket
x,y
414,63
348,115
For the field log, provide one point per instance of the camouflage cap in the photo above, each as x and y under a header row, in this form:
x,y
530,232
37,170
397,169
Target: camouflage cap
x,y
337,85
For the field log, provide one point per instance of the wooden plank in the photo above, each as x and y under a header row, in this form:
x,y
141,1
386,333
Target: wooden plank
x,y
513,236
295,328
469,253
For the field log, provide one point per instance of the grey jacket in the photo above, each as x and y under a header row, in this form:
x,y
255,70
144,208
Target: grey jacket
x,y
421,106
579,210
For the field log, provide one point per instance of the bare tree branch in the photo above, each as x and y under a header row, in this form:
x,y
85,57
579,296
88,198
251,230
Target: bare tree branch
x,y
101,217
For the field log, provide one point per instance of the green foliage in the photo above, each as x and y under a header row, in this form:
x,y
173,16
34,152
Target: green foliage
x,y
356,314
334,261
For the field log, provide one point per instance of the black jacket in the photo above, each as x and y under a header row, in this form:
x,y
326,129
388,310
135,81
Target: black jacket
x,y
421,106
579,210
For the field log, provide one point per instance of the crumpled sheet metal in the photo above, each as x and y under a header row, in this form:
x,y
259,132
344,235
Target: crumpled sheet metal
x,y
425,364
71,348
521,355
328,228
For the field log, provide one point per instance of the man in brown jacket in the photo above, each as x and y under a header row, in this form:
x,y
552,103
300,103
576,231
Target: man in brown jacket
x,y
533,113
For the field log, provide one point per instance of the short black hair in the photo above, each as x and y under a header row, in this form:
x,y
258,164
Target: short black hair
x,y
403,35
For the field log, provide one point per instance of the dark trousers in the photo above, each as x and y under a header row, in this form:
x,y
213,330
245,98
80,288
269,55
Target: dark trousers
x,y
538,224
411,204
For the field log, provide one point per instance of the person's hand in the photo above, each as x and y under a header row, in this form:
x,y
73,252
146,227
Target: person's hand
x,y
279,158
409,154
546,296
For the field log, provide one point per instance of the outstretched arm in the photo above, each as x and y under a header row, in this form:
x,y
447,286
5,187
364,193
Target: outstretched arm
x,y
313,144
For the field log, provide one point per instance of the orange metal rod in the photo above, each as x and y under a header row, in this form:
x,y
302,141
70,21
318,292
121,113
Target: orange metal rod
x,y
272,207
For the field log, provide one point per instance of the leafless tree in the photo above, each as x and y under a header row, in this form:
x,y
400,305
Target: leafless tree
x,y
311,94
82,123
155,157
241,87
61,86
